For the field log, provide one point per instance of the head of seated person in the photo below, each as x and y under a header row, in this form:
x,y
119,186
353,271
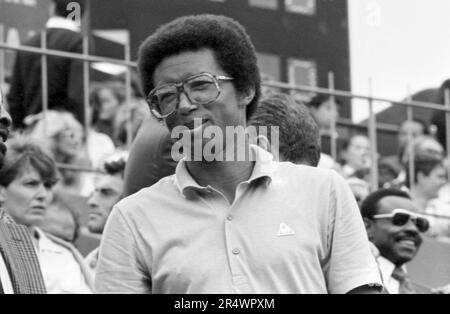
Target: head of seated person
x,y
391,224
108,191
107,99
430,176
324,112
61,220
355,154
286,129
27,178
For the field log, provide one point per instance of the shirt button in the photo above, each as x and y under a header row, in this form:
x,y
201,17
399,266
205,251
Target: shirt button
x,y
236,252
230,218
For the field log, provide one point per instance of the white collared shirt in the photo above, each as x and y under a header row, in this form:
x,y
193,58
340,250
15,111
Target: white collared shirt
x,y
387,268
60,22
4,277
62,273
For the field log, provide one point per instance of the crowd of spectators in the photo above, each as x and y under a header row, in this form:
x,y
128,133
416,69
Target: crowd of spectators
x,y
54,156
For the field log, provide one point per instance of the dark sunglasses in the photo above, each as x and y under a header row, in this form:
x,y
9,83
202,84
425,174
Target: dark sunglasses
x,y
401,217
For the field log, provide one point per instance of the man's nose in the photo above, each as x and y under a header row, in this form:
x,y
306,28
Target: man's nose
x,y
412,227
185,106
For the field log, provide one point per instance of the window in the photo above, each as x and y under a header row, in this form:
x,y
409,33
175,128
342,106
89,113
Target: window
x,y
267,4
301,6
269,66
302,72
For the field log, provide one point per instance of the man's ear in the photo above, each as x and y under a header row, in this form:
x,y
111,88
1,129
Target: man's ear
x,y
369,228
246,97
264,143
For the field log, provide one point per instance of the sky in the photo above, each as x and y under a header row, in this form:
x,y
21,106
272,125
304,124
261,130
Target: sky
x,y
399,45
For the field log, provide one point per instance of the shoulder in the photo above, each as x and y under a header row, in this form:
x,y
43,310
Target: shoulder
x,y
302,172
164,189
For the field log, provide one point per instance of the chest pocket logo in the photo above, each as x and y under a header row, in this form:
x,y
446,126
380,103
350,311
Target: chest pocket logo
x,y
285,230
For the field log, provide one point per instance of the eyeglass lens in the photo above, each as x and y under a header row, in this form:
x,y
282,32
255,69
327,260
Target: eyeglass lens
x,y
401,219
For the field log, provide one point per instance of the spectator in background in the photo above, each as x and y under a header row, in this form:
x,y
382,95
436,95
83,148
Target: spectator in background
x,y
106,100
20,272
27,177
64,136
298,136
423,145
355,155
325,112
396,230
429,178
417,128
65,76
108,192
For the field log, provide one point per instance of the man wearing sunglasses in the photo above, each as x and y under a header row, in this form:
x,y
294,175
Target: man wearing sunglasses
x,y
396,230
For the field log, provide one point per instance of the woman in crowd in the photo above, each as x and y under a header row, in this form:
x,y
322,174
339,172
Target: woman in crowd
x,y
64,137
356,157
27,178
106,99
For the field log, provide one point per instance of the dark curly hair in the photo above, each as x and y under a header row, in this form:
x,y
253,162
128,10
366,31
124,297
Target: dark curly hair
x,y
369,207
227,38
115,167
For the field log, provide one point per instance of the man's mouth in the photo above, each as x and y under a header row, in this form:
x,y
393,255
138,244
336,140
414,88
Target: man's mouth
x,y
409,242
195,124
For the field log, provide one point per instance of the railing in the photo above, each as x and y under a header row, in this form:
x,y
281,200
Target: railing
x,y
373,127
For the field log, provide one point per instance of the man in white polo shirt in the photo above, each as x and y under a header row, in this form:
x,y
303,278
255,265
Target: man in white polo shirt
x,y
249,225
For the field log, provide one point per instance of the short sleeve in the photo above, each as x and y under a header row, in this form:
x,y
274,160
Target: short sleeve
x,y
119,268
351,264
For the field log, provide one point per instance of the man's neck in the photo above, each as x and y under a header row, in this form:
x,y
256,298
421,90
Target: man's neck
x,y
223,176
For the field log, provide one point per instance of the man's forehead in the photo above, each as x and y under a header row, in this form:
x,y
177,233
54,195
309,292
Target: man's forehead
x,y
388,204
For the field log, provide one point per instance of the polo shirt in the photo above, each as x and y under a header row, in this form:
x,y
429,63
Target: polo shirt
x,y
291,229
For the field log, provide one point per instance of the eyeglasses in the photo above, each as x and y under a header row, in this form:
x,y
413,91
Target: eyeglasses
x,y
401,217
200,89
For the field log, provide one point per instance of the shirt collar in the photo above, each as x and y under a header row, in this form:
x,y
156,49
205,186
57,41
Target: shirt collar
x,y
263,170
387,268
62,23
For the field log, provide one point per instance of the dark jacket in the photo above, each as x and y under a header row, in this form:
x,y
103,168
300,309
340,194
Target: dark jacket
x,y
150,157
65,78
20,258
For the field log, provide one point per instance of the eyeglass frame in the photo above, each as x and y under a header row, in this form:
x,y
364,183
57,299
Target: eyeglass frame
x,y
180,89
412,217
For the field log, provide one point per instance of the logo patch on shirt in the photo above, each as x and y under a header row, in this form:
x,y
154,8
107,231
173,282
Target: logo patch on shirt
x,y
285,230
